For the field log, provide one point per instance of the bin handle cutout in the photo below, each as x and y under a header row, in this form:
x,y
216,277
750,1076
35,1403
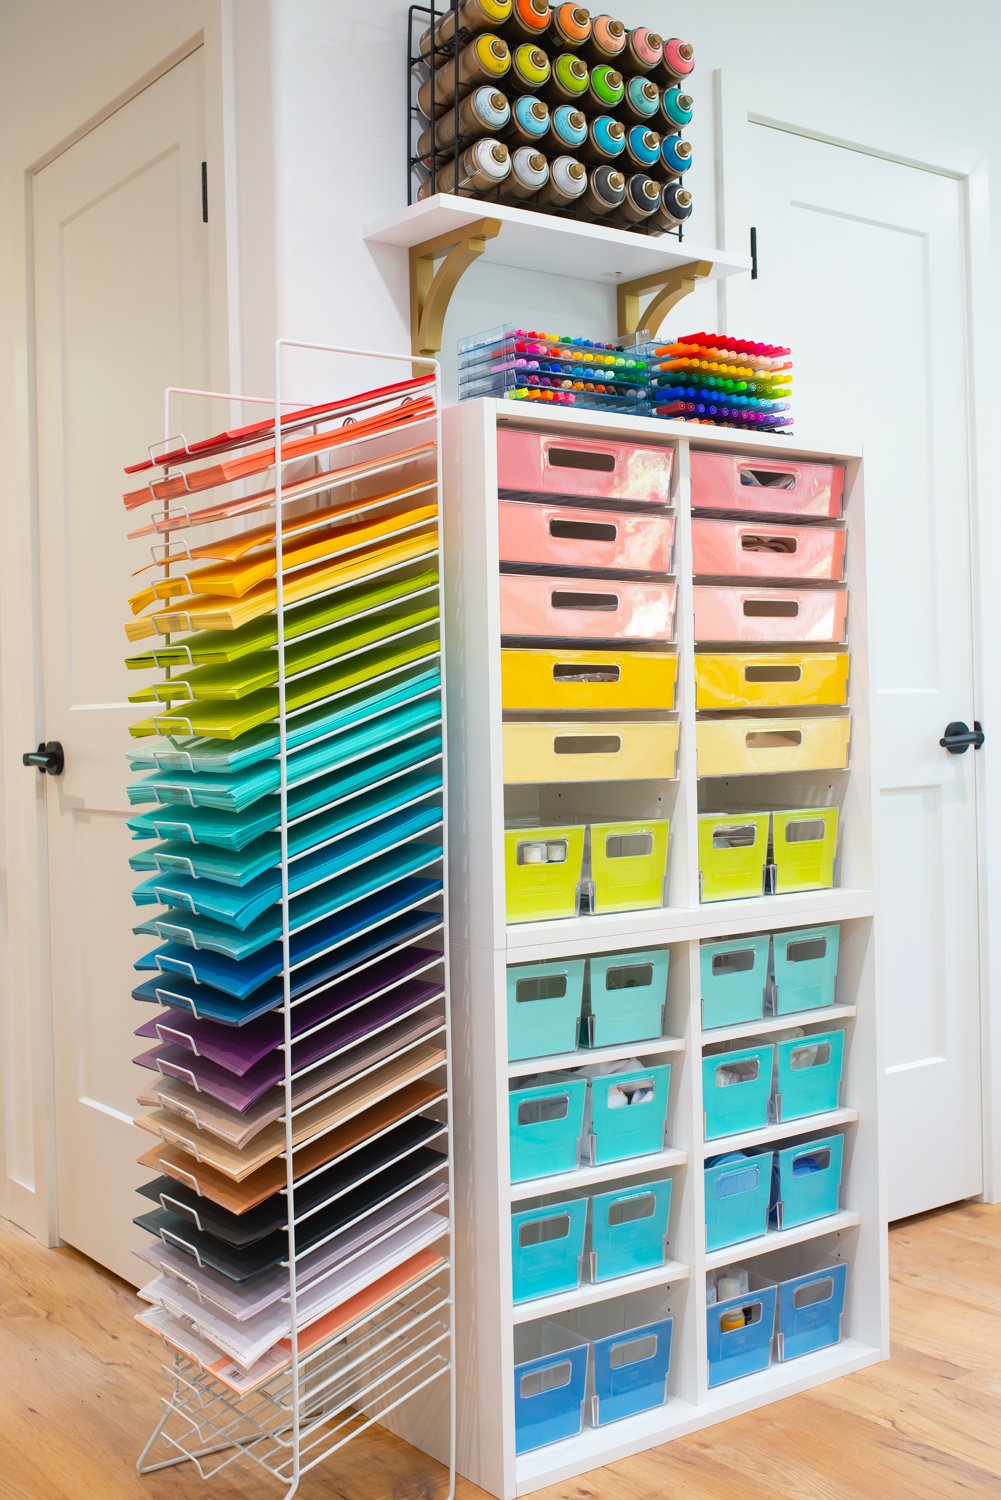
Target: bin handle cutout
x,y
539,987
806,949
781,673
753,1313
586,672
813,1292
629,1093
628,845
805,831
629,977
741,1179
743,1070
583,531
632,1210
737,961
544,1111
810,1055
543,852
774,609
767,479
751,541
773,739
587,744
580,458
575,599
743,836
542,1231
821,1159
552,1378
632,1351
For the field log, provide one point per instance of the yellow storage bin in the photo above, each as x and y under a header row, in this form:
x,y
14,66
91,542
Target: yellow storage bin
x,y
755,747
542,868
555,751
576,680
771,679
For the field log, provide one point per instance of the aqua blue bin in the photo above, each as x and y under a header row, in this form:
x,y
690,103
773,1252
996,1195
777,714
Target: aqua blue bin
x,y
631,1370
809,1072
804,968
545,1124
543,1008
547,1249
733,978
628,992
811,1308
629,1230
742,1103
737,1192
633,1129
549,1398
746,1350
807,1181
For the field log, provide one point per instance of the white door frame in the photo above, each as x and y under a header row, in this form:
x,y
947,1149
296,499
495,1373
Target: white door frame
x,y
913,145
27,1120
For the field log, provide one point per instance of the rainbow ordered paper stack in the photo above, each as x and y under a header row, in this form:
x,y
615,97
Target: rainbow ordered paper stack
x,y
722,381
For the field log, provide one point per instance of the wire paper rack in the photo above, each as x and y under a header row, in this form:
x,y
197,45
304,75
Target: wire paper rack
x,y
333,600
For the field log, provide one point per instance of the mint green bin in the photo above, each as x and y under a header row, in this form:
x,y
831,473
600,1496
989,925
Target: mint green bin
x,y
629,1229
808,1074
623,1126
628,865
804,969
736,1088
738,1190
544,1003
627,995
732,976
804,843
733,854
545,1124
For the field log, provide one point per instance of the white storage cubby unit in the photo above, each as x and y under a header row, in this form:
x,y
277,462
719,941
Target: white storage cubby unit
x,y
498,1447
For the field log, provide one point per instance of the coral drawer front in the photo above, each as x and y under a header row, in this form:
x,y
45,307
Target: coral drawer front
x,y
742,549
558,536
562,751
542,680
725,613
776,679
757,747
764,486
542,607
532,463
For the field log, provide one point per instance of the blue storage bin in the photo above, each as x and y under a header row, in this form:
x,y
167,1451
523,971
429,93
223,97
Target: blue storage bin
x,y
627,995
630,1371
737,1196
804,969
744,1350
545,1125
811,1309
547,1249
629,1228
618,1129
808,1074
807,1181
736,1088
544,1003
549,1389
733,978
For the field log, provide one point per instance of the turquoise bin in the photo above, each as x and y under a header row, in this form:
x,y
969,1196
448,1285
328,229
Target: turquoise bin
x,y
620,1130
543,1008
808,1080
733,976
805,969
547,1249
545,1125
807,1181
629,1229
627,995
746,1350
811,1309
736,1088
737,1194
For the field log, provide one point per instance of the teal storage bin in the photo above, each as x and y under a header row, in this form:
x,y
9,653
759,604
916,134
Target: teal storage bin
x,y
811,1310
544,1003
805,969
627,993
733,979
808,1074
736,1088
629,1229
630,1371
621,1129
547,1249
550,1384
737,1196
545,1125
746,1350
807,1181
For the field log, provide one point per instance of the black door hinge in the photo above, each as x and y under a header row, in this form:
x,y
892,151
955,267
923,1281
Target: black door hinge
x,y
205,193
754,248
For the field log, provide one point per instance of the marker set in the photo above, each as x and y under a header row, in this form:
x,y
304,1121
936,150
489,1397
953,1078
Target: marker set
x,y
551,108
526,365
721,381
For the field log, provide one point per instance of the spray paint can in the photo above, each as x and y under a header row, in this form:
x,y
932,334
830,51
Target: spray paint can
x,y
642,147
529,69
641,100
606,42
529,20
675,206
568,83
644,50
605,191
605,87
482,166
642,198
486,111
529,173
472,17
675,155
567,128
676,107
606,139
571,26
678,60
567,182
529,121
483,60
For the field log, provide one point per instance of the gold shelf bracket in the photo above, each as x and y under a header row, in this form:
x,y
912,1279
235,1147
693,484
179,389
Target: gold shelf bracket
x,y
669,288
431,286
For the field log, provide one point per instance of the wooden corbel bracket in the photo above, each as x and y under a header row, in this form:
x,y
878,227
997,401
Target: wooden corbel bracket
x,y
431,289
670,287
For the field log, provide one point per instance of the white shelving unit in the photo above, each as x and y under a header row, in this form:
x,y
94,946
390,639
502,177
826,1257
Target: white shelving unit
x,y
483,944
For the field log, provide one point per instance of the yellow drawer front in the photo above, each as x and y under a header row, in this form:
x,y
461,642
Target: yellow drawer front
x,y
771,679
544,681
555,751
755,747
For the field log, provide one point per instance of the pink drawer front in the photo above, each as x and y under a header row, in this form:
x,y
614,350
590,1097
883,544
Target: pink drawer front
x,y
755,549
764,485
724,613
539,464
566,608
561,536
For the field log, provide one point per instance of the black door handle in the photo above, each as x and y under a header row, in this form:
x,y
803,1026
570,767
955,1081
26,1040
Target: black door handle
x,y
958,739
48,758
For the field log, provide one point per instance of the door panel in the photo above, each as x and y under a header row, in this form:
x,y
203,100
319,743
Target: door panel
x,y
862,274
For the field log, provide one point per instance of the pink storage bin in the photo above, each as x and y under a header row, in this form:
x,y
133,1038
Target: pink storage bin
x,y
753,549
764,485
538,463
559,536
566,608
725,613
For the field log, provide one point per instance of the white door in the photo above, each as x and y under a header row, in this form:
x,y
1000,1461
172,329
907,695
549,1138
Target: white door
x,y
861,272
121,310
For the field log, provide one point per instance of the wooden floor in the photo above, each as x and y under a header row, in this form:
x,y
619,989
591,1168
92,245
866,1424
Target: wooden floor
x,y
78,1382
